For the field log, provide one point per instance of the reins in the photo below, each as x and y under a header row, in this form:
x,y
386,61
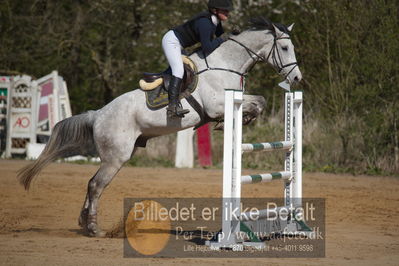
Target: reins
x,y
219,68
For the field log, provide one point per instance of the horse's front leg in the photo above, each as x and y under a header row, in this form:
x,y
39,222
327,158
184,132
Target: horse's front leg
x,y
253,105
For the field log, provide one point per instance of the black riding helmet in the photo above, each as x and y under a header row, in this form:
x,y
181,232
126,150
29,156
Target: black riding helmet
x,y
221,4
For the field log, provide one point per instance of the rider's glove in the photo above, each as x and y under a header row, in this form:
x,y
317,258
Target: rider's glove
x,y
236,30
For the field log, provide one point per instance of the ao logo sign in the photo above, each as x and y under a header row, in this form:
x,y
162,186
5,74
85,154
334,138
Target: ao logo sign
x,y
22,122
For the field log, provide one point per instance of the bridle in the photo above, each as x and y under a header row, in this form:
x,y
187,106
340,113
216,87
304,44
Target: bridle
x,y
273,52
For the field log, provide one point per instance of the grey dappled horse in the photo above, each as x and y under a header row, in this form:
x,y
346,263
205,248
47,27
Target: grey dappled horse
x,y
114,131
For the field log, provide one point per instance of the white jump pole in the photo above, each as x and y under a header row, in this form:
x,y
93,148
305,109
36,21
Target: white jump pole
x,y
293,159
297,181
231,166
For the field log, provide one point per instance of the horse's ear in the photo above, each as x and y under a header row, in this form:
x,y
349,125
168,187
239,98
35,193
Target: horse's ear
x,y
290,27
277,31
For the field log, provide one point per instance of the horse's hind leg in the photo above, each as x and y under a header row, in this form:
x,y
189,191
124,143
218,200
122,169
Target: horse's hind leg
x,y
112,159
95,188
82,221
85,209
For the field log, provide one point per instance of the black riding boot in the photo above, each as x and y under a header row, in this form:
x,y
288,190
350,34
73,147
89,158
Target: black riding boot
x,y
174,108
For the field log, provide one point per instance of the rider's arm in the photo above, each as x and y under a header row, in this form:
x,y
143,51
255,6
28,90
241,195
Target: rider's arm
x,y
206,30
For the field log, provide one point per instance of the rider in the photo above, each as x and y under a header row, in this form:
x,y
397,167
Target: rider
x,y
206,28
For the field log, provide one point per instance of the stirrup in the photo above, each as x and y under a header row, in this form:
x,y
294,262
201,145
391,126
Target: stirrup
x,y
176,111
180,111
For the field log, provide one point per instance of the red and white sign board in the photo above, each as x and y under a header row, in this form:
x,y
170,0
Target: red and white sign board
x,y
54,103
21,116
35,106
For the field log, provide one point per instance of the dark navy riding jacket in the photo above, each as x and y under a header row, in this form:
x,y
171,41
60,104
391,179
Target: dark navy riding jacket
x,y
200,29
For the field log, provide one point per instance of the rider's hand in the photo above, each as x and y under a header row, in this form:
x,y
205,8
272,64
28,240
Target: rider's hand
x,y
236,30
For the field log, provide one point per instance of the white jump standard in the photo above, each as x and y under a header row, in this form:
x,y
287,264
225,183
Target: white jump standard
x,y
260,223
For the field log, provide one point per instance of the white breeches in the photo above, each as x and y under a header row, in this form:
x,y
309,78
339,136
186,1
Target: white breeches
x,y
172,49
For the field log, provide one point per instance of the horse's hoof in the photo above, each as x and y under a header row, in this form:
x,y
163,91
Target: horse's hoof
x,y
94,231
248,119
98,233
219,126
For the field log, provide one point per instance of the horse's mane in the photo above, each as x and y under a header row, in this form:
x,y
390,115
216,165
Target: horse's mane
x,y
262,23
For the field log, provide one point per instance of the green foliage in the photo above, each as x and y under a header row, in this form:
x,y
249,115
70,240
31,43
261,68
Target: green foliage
x,y
348,54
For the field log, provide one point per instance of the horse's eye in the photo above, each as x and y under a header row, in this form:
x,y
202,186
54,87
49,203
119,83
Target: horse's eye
x,y
285,48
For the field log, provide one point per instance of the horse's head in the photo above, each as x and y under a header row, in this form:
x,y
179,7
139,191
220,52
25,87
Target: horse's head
x,y
283,55
280,54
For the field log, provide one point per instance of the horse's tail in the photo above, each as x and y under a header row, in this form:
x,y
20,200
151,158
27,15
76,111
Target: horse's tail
x,y
71,136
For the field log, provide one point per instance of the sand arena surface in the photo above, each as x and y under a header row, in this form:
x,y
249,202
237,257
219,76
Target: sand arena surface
x,y
40,227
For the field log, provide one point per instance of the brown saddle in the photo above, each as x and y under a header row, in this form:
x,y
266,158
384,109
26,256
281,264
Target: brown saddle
x,y
155,85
